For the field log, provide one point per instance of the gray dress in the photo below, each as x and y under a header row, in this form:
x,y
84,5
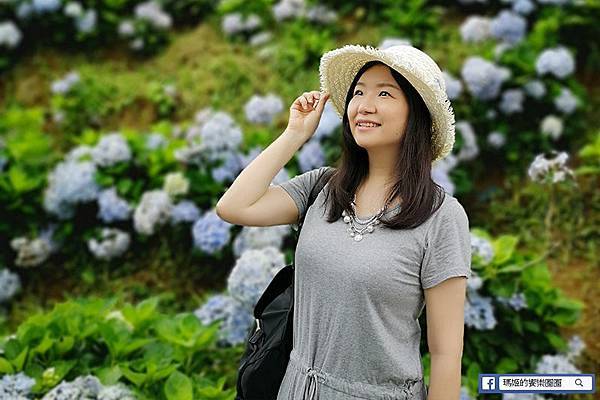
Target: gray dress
x,y
357,304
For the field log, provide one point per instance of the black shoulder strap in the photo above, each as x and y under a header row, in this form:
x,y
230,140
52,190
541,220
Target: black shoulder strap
x,y
314,193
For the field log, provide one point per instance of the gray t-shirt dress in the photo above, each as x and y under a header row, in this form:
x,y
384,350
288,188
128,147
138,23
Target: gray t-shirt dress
x,y
357,303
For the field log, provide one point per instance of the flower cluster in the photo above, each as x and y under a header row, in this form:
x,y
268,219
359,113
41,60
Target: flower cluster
x,y
542,168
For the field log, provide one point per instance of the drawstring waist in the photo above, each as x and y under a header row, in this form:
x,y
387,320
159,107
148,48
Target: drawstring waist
x,y
313,378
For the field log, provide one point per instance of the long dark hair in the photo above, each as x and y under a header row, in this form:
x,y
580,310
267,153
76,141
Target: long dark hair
x,y
420,195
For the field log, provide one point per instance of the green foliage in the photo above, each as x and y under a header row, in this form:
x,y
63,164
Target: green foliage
x,y
136,344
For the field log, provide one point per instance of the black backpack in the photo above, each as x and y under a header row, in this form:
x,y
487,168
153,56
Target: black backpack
x,y
270,341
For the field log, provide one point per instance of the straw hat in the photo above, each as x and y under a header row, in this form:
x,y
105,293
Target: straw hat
x,y
339,67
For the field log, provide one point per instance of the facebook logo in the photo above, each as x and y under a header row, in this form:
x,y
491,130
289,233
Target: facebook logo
x,y
487,383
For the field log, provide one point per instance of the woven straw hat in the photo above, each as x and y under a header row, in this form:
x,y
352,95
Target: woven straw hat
x,y
339,67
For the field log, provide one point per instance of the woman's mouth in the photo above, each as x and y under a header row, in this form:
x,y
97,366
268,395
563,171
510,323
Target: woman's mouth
x,y
367,127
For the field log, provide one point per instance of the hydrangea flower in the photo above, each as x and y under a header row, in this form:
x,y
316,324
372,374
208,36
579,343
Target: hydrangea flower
x,y
252,273
391,41
73,9
126,28
482,248
70,183
229,169
469,149
234,23
496,139
111,207
45,6
10,34
176,184
16,387
542,167
555,364
155,141
311,155
10,285
566,102
454,86
320,14
508,26
263,109
512,101
524,7
153,210
113,243
152,12
110,150
258,237
475,29
217,307
88,387
184,211
87,22
260,38
328,123
464,394
557,61
236,327
474,283
522,396
441,176
31,252
64,85
288,9
210,232
483,78
576,347
552,126
479,312
517,301
535,88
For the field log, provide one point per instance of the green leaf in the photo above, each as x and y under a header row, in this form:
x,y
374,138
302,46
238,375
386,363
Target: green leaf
x,y
6,367
137,378
504,247
178,387
506,366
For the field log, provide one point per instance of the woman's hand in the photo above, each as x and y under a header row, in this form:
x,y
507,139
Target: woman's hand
x,y
305,113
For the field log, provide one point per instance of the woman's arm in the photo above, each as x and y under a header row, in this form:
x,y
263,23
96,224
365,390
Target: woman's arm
x,y
445,329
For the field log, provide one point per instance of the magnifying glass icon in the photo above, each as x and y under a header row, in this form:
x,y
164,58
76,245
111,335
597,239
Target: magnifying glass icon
x,y
579,382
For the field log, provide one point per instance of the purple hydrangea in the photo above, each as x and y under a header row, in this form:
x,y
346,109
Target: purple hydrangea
x,y
229,169
263,109
184,211
524,7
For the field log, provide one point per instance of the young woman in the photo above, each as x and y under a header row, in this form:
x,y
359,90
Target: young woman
x,y
381,241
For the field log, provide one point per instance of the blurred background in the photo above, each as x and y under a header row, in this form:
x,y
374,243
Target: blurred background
x,y
122,122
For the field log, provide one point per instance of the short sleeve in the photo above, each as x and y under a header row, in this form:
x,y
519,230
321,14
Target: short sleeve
x,y
299,188
447,246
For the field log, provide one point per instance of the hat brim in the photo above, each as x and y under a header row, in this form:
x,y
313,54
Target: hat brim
x,y
338,68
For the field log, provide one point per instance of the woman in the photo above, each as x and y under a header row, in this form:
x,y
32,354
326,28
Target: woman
x,y
381,241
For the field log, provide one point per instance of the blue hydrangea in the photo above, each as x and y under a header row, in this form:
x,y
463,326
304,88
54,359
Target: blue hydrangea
x,y
229,169
287,9
217,307
236,327
263,109
517,301
10,284
535,88
10,34
110,150
328,123
66,83
184,211
512,101
24,10
87,22
475,29
440,175
566,102
211,233
68,184
16,387
45,6
311,155
454,86
576,345
469,148
557,61
483,78
151,11
252,273
258,237
496,139
88,387
111,207
220,132
508,27
482,248
555,364
479,312
464,394
524,7
155,141
234,23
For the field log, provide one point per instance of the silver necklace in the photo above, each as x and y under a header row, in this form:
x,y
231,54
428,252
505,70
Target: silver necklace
x,y
357,233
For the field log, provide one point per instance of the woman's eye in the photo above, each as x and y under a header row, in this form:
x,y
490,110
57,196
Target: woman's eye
x,y
383,91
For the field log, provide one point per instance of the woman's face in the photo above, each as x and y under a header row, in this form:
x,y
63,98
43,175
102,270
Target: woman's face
x,y
378,98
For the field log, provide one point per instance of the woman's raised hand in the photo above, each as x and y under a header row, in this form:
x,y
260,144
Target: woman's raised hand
x,y
306,111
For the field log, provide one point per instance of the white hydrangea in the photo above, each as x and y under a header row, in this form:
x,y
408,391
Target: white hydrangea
x,y
288,9
576,347
475,28
31,252
152,12
258,237
112,243
176,184
154,209
555,167
321,14
496,139
10,35
555,364
64,85
263,109
73,9
234,23
126,28
110,150
260,38
469,149
552,126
